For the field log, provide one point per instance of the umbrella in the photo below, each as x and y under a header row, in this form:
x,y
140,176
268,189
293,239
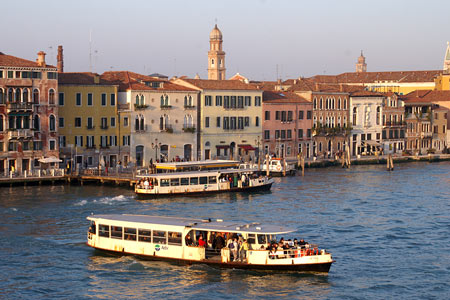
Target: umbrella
x,y
50,159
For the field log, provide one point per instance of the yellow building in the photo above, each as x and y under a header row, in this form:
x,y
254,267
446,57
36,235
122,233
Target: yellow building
x,y
230,117
94,131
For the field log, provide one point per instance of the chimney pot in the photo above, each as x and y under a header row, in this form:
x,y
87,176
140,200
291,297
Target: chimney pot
x,y
60,60
41,58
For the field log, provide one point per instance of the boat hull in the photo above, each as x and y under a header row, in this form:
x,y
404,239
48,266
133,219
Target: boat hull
x,y
265,187
316,267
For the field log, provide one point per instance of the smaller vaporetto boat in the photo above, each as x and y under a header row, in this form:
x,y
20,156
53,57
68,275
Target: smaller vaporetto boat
x,y
202,182
205,241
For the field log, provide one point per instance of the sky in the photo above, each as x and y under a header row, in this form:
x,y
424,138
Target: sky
x,y
263,39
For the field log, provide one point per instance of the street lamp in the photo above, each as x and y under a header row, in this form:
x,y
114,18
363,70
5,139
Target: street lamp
x,y
156,146
258,142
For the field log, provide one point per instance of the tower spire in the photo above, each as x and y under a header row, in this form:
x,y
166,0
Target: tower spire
x,y
447,59
361,65
216,56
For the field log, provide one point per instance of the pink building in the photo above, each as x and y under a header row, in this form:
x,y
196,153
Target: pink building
x,y
287,124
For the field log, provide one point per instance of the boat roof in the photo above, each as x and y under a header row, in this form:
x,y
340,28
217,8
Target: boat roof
x,y
198,224
197,173
219,163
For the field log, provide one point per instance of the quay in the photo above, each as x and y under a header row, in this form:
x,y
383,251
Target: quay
x,y
128,178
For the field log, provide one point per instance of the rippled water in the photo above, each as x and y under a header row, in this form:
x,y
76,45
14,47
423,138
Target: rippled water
x,y
389,234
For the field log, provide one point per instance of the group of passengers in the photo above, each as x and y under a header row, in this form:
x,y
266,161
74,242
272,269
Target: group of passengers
x,y
235,180
146,183
275,248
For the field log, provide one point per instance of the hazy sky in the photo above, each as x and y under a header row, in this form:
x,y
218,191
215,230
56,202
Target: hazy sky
x,y
302,38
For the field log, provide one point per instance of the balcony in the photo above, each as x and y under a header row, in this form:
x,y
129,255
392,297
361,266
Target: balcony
x,y
22,106
394,124
140,106
163,106
141,129
189,129
167,129
20,133
189,107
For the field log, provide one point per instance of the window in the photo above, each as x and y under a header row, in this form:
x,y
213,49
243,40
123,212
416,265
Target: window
x,y
300,133
52,145
90,141
267,134
289,134
103,99
240,123
104,123
116,232
90,123
308,133
79,140
145,235
257,100
226,101
113,121
218,100
300,114
289,116
10,74
267,115
52,123
208,100
129,234
315,103
247,121
278,115
78,122
193,180
61,99
89,99
240,102
206,122
113,140
354,115
159,237
35,96
126,140
78,99
257,121
52,75
125,121
218,122
175,238
308,114
233,101
248,101
113,99
277,134
103,230
62,141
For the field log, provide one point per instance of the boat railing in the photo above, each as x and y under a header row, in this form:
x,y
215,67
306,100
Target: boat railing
x,y
297,252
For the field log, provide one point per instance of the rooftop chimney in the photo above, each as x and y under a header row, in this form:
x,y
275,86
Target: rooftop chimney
x,y
60,60
96,78
41,58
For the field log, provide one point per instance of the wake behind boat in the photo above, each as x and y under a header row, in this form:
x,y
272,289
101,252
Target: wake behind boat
x,y
212,242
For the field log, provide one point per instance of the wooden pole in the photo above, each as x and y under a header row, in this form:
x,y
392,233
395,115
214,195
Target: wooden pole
x,y
390,163
283,165
267,165
303,165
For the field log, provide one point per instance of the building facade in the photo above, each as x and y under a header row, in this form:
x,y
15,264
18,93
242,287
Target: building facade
x,y
163,117
286,125
28,113
229,118
394,124
366,109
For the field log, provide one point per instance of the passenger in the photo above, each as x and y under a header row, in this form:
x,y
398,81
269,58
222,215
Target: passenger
x,y
234,247
302,243
146,184
201,242
219,241
243,250
273,253
296,246
188,240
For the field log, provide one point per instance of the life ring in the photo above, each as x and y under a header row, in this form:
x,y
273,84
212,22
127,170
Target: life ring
x,y
279,168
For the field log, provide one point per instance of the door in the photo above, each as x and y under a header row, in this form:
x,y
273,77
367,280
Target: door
x,y
188,152
139,155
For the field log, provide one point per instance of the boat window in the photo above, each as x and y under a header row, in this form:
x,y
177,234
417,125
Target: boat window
x,y
204,180
174,238
103,230
272,237
274,163
116,232
251,238
212,179
129,234
262,239
145,235
194,180
185,181
175,182
164,182
159,237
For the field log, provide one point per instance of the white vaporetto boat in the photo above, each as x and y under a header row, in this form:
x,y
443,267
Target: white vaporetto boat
x,y
191,241
202,182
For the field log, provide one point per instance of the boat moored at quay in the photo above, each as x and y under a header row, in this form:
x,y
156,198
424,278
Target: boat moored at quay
x,y
204,241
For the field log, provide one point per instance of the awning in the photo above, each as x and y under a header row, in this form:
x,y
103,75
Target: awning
x,y
372,143
222,146
246,147
50,159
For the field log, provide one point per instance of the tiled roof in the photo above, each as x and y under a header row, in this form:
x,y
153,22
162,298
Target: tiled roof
x,y
81,78
12,61
220,84
307,85
373,77
282,97
364,93
426,96
134,81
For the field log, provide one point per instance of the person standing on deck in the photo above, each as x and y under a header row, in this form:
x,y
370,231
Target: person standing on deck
x,y
243,250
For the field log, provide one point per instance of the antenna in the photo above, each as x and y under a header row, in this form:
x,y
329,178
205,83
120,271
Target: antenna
x,y
90,50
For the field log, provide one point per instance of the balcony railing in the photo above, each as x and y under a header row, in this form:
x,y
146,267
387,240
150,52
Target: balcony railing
x,y
189,129
20,133
388,123
140,106
163,106
20,106
141,129
189,106
167,128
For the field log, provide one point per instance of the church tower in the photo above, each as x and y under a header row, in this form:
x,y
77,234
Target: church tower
x,y
447,60
216,56
361,65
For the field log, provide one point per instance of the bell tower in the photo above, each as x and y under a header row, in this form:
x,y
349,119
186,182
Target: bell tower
x,y
447,60
361,65
216,56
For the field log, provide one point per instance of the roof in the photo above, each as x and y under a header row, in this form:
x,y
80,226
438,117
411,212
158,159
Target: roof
x,y
12,61
373,77
199,224
133,81
364,93
282,97
220,84
426,96
82,78
310,85
204,164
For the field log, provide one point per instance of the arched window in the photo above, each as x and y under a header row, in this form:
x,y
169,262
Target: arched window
x,y
379,115
52,123
334,103
2,96
142,100
207,144
212,61
315,103
190,100
321,103
10,95
355,112
185,101
161,123
141,122
166,102
190,121
36,123
162,100
18,95
137,100
136,124
339,103
25,95
2,126
51,96
345,104
185,122
36,96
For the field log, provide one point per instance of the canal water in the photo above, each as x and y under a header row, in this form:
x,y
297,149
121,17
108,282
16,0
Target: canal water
x,y
389,234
